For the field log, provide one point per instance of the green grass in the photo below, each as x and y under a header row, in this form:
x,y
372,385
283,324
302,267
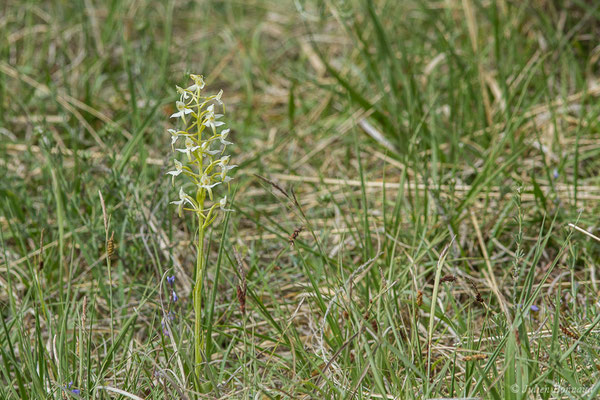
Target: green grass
x,y
430,150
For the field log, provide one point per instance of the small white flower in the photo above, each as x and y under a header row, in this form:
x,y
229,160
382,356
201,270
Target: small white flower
x,y
223,136
175,135
183,110
218,97
224,177
205,183
210,118
189,148
183,92
223,203
198,83
178,170
183,198
224,164
205,150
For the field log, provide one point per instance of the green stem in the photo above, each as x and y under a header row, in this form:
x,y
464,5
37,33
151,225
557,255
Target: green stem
x,y
198,333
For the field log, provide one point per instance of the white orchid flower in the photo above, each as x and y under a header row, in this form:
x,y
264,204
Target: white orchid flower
x,y
218,97
223,174
210,119
182,110
189,148
198,83
223,203
183,92
178,170
224,164
205,150
176,134
223,136
205,183
225,167
183,198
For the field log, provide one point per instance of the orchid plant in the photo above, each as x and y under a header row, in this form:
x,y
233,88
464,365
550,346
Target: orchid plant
x,y
206,166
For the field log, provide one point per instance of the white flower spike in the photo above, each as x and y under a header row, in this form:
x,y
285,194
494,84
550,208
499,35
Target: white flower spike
x,y
203,165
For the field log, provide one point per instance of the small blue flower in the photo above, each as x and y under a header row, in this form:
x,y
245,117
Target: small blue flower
x,y
74,391
535,308
555,173
164,328
174,297
171,280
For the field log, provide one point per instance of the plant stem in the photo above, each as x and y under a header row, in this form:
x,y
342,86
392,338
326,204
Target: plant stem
x,y
198,334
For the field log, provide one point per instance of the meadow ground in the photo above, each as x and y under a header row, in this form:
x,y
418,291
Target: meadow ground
x,y
415,205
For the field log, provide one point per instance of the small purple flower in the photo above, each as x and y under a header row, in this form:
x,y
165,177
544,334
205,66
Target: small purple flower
x,y
535,308
171,280
555,173
74,391
164,328
174,296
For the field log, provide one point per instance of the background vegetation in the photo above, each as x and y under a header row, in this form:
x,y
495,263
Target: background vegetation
x,y
417,152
